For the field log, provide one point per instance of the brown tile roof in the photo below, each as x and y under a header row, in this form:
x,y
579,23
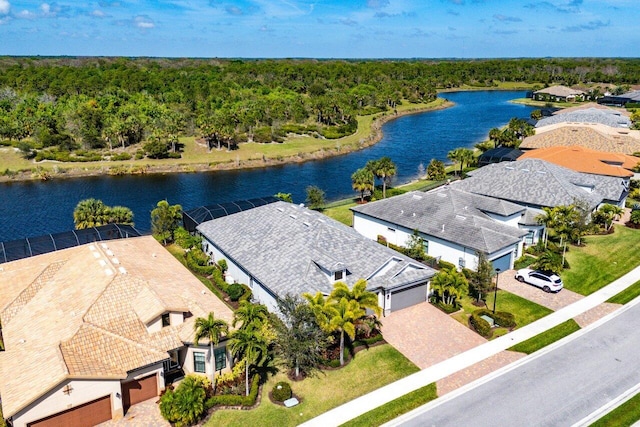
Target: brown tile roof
x,y
594,137
582,159
560,90
74,314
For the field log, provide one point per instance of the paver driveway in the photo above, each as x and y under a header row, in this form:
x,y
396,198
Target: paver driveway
x,y
555,302
143,414
426,335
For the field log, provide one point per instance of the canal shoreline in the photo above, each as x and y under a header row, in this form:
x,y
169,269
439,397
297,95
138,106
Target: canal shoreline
x,y
174,166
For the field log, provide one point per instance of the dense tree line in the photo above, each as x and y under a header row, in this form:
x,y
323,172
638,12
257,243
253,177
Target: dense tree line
x,y
74,104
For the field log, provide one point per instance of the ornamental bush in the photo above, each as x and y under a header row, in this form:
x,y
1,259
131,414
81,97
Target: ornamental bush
x,y
235,291
185,405
479,324
281,391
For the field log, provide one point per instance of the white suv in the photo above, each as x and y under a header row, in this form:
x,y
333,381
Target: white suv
x,y
545,281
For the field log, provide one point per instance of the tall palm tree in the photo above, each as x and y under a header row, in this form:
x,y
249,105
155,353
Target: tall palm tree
x,y
462,156
383,169
611,213
250,316
90,213
358,293
362,180
250,344
211,329
494,135
342,318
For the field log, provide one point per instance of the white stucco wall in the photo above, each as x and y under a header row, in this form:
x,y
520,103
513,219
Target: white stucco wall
x,y
83,391
511,220
188,365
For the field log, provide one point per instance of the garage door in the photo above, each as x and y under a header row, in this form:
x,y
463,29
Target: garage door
x,y
139,390
408,297
503,263
89,414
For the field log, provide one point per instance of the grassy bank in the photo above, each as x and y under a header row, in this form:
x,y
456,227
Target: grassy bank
x,y
196,157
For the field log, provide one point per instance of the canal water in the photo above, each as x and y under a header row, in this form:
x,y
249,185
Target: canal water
x,y
34,208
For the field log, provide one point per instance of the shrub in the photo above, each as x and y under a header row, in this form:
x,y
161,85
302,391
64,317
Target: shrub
x,y
281,391
197,261
247,293
480,325
523,262
121,156
367,341
504,319
185,405
222,264
447,308
444,265
235,291
235,400
185,240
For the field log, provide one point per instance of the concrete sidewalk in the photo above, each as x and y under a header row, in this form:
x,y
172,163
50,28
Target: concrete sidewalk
x,y
379,397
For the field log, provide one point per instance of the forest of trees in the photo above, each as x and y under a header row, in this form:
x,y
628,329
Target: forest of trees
x,y
66,108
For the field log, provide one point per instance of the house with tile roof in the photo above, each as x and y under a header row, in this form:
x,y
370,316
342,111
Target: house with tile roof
x,y
93,329
582,159
454,225
593,136
559,93
536,184
282,248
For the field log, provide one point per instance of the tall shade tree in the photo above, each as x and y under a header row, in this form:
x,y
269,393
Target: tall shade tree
x,y
300,341
362,181
343,316
165,219
251,345
211,329
315,197
384,169
480,280
250,316
358,293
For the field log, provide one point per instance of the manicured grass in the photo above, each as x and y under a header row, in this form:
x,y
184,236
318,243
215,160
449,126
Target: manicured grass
x,y
369,370
525,311
627,295
395,408
547,337
602,260
624,415
533,103
341,213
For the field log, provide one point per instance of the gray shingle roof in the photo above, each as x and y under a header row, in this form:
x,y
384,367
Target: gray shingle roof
x,y
611,118
534,182
286,247
455,216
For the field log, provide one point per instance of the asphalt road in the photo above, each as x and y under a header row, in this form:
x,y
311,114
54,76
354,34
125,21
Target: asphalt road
x,y
558,388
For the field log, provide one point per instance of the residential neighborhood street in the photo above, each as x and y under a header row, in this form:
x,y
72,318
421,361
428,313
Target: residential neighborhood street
x,y
560,387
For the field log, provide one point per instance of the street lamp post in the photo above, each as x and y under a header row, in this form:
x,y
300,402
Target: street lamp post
x,y
495,294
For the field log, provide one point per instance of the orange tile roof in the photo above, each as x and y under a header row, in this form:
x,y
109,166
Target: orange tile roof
x,y
582,159
72,314
598,137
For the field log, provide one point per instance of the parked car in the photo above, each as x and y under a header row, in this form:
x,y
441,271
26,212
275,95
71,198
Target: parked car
x,y
548,282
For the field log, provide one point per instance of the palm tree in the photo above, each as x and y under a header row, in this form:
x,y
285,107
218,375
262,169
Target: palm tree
x,y
547,218
90,213
362,180
494,135
383,169
211,329
549,261
611,213
251,316
460,155
318,304
358,293
251,345
342,317
120,215
457,282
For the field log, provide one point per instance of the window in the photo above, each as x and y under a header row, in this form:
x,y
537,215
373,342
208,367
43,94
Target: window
x,y
425,245
198,362
338,275
166,319
461,262
221,358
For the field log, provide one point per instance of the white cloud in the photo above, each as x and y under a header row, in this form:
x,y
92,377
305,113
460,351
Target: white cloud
x,y
5,7
25,14
46,9
144,22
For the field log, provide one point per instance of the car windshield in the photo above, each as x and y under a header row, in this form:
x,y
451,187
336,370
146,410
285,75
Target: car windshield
x,y
558,280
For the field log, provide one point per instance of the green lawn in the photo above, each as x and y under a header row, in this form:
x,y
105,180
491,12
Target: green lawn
x,y
602,260
341,213
395,408
627,295
370,370
624,415
547,337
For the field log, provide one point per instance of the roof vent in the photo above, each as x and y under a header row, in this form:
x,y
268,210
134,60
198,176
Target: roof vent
x,y
417,197
443,227
442,195
280,209
509,167
541,172
401,212
307,224
414,214
524,170
293,216
461,217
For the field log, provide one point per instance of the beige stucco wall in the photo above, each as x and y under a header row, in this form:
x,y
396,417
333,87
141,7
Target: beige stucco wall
x,y
188,362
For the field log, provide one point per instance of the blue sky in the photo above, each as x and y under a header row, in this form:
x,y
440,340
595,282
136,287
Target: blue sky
x,y
322,28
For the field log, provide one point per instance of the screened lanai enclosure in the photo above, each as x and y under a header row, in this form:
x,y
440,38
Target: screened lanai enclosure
x,y
23,248
194,217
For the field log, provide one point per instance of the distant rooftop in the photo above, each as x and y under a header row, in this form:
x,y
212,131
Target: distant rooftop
x,y
608,117
560,90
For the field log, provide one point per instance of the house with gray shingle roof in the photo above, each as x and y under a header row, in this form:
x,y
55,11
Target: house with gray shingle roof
x,y
282,248
608,117
454,225
536,183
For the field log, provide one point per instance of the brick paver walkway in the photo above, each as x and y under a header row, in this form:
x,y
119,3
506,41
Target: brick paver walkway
x,y
555,302
476,371
143,414
426,335
596,313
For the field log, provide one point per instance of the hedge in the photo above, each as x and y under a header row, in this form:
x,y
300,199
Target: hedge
x,y
368,341
480,325
501,318
192,263
235,400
